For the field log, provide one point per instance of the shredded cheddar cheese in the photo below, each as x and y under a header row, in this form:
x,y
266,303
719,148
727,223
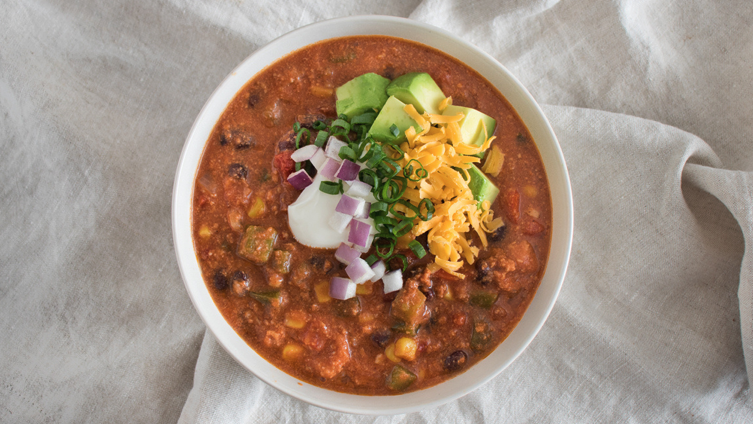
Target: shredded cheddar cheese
x,y
446,158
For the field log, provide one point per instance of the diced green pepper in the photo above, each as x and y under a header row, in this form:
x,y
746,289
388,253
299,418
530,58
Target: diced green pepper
x,y
257,244
400,378
408,306
484,299
404,328
281,261
271,298
482,334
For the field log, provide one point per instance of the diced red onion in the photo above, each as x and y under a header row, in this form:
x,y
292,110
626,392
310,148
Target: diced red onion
x,y
346,254
329,169
358,188
379,269
319,159
364,249
349,205
393,281
333,147
359,233
363,211
300,179
348,171
342,288
359,271
304,153
339,221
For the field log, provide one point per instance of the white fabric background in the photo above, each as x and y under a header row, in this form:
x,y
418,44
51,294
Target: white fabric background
x,y
652,102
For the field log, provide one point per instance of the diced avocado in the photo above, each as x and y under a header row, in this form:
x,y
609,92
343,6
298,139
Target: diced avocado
x,y
471,127
392,114
418,89
361,94
480,185
257,244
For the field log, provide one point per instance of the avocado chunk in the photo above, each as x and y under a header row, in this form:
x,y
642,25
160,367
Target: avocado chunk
x,y
361,94
418,89
480,185
392,114
472,125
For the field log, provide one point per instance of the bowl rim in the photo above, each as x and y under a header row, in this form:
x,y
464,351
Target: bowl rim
x,y
519,98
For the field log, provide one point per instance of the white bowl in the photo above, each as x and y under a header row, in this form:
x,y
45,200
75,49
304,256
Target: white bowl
x,y
529,111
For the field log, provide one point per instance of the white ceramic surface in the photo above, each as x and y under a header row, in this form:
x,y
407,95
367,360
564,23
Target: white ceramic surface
x,y
528,110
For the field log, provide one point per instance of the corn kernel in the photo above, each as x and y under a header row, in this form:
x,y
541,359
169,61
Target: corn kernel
x,y
291,351
406,348
204,231
390,353
257,209
320,91
322,291
530,191
295,319
365,288
448,295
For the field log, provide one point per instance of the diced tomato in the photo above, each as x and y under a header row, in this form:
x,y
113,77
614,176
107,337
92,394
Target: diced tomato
x,y
532,227
511,205
284,164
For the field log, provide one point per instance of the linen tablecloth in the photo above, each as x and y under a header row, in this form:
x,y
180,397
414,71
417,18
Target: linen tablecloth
x,y
651,101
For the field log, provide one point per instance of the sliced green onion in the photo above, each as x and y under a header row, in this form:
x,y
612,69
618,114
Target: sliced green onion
x,y
296,126
429,209
394,130
340,127
402,258
321,138
320,125
381,243
297,166
416,247
347,153
299,137
372,259
385,220
402,228
329,187
364,119
379,207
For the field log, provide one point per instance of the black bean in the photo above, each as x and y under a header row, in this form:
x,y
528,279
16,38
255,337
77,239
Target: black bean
x,y
381,338
237,138
484,274
348,308
237,171
427,291
253,99
317,262
389,72
220,279
522,139
455,361
498,234
240,276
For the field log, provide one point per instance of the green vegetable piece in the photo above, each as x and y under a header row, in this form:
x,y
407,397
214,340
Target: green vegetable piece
x,y
471,127
484,299
418,89
392,114
348,308
361,94
481,336
409,306
404,328
400,378
269,298
281,261
257,244
480,185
